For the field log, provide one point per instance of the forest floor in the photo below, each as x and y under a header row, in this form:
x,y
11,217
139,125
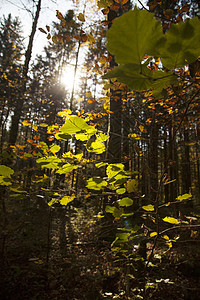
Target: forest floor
x,y
37,262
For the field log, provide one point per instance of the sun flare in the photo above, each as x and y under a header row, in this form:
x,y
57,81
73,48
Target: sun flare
x,y
67,78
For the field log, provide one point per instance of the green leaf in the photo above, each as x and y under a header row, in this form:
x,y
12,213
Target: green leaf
x,y
132,185
75,125
127,215
120,178
82,136
141,78
28,155
95,146
96,183
125,202
50,162
149,207
133,35
182,44
54,148
114,169
102,137
5,171
17,190
184,197
70,156
67,199
171,220
110,209
101,164
123,237
66,169
5,181
62,136
121,191
117,213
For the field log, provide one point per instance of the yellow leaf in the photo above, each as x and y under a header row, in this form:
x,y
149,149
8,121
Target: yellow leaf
x,y
67,199
35,127
184,197
43,125
134,136
165,237
26,123
141,127
20,146
149,207
169,244
153,234
171,220
81,17
64,113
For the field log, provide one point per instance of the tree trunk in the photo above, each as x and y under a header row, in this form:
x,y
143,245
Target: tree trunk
x,y
20,102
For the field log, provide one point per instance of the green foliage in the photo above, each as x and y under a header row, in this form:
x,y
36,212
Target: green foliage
x,y
95,146
66,168
63,201
136,34
82,131
116,212
139,77
75,125
184,197
121,191
149,207
54,148
133,35
5,175
125,202
51,162
122,237
182,44
114,169
62,136
132,186
96,183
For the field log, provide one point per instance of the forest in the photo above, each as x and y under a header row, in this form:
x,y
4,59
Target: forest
x,y
99,153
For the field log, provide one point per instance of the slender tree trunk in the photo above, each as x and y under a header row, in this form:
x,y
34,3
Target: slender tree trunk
x,y
153,161
115,118
20,102
166,187
186,174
